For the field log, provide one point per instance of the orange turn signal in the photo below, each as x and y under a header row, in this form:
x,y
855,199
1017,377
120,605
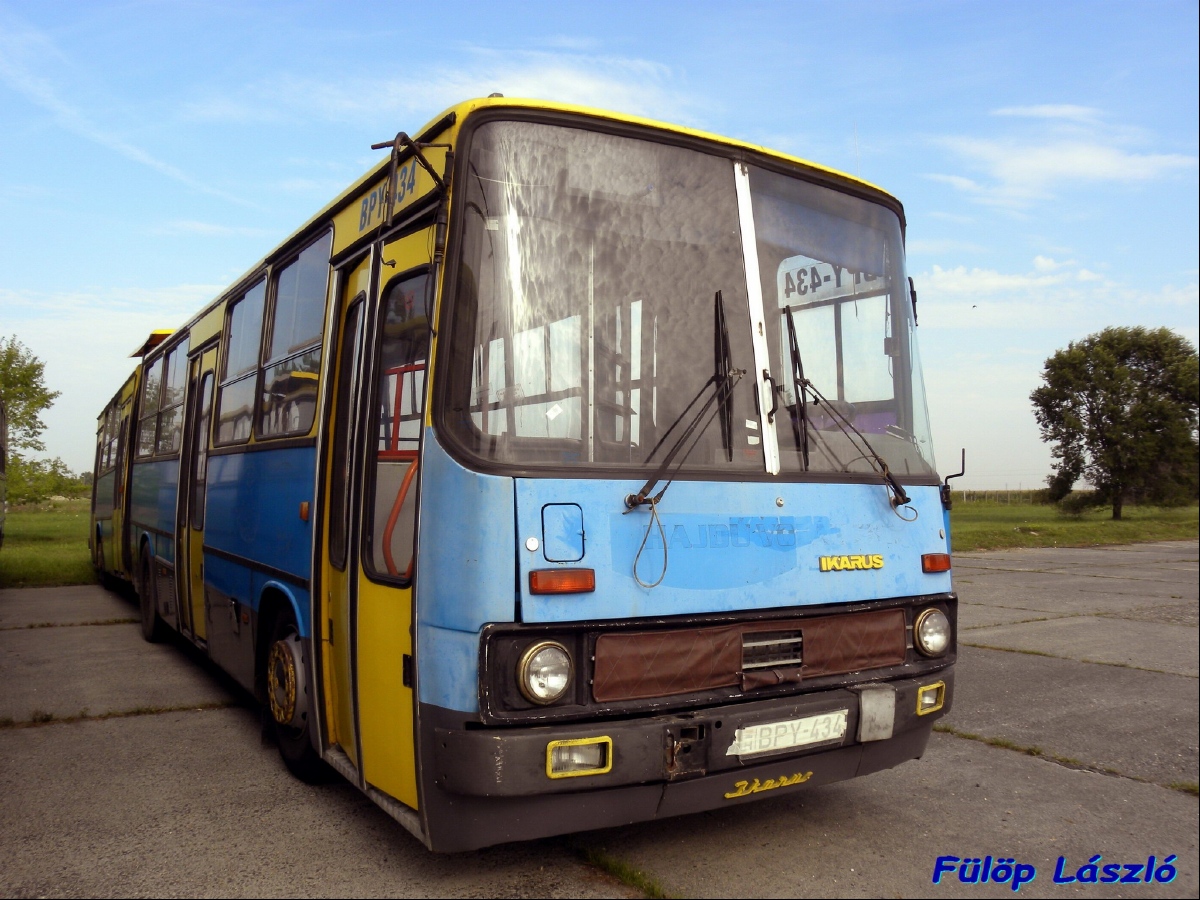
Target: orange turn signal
x,y
562,581
935,562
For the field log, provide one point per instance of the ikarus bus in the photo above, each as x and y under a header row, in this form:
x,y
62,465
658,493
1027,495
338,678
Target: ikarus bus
x,y
568,470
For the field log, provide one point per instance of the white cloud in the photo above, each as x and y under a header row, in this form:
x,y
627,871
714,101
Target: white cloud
x,y
1053,298
975,282
636,86
1063,111
1049,264
1063,145
1020,173
960,182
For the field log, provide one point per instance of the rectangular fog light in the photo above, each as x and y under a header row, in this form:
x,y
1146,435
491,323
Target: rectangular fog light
x,y
585,756
931,697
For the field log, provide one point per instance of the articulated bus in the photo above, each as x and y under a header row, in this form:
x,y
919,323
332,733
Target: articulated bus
x,y
568,470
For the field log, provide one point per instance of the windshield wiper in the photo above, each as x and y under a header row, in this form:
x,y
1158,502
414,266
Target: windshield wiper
x,y
800,429
723,380
899,497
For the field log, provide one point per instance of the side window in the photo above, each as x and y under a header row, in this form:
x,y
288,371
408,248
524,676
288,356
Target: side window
x,y
104,443
342,437
148,412
399,409
110,452
200,474
170,418
235,406
101,438
293,364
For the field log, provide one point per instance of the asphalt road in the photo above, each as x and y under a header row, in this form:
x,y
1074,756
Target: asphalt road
x,y
129,769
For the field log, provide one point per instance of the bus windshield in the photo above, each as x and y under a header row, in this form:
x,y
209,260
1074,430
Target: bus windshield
x,y
586,320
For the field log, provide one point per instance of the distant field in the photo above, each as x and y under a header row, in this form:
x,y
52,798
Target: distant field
x,y
1002,520
48,546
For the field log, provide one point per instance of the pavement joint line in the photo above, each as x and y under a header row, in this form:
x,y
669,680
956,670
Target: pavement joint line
x,y
1127,617
1094,662
1070,573
127,620
1031,609
1025,622
1068,762
38,718
1081,615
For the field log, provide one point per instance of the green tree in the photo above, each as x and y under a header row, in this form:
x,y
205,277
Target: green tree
x,y
35,480
23,389
1121,410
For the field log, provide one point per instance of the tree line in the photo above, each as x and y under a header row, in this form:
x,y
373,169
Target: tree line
x,y
23,390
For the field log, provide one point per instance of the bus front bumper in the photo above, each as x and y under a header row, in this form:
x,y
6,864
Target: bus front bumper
x,y
708,757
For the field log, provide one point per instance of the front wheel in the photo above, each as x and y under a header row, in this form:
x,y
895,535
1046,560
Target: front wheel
x,y
289,701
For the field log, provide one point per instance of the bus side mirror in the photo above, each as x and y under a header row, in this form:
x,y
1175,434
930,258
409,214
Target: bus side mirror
x,y
946,484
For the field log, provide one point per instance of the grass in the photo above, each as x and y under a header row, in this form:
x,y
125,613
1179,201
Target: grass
x,y
995,524
623,872
47,545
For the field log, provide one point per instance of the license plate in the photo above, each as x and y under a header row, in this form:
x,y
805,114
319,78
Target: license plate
x,y
770,736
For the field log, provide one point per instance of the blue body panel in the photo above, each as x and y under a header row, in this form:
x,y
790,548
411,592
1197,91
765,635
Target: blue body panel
x,y
730,546
253,511
153,486
465,573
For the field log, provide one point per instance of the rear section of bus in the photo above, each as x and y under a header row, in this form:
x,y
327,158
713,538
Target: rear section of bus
x,y
681,540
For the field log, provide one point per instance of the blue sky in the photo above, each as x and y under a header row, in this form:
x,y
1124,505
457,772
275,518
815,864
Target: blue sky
x,y
1046,155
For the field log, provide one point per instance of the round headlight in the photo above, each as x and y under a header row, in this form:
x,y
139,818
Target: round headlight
x,y
931,632
544,673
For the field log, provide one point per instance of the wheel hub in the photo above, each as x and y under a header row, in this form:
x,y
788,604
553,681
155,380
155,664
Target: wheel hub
x,y
286,690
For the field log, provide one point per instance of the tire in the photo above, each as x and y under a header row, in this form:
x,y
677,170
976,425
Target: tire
x,y
153,629
289,698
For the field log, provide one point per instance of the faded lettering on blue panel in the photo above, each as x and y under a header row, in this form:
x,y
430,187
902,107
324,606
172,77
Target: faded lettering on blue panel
x,y
704,552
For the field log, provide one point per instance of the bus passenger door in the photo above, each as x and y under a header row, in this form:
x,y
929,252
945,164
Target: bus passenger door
x,y
121,563
400,332
193,472
338,561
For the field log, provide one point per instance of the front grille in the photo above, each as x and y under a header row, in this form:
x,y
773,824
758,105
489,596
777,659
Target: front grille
x,y
771,649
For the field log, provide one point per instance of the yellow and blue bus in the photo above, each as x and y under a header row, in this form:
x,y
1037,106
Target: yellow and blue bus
x,y
568,470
